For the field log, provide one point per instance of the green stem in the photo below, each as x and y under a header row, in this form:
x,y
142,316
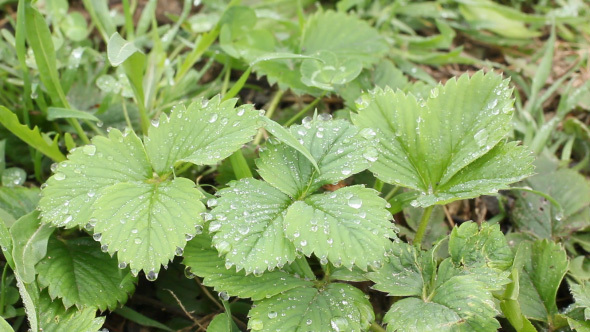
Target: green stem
x,y
423,225
378,185
3,290
271,109
376,327
128,20
79,130
304,110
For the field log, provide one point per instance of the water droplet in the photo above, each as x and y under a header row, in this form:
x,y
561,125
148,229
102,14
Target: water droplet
x,y
481,137
325,117
198,229
97,236
323,261
355,202
368,133
89,149
214,226
241,111
223,247
189,273
272,314
104,248
256,324
122,265
188,237
371,154
179,251
303,243
308,322
59,176
319,134
138,240
213,118
91,193
155,122
211,202
257,272
224,296
306,120
152,275
346,171
243,230
339,324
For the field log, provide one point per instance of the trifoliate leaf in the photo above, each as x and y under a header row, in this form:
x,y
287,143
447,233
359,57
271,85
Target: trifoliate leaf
x,y
407,273
471,246
448,146
70,193
249,226
344,35
54,318
205,262
78,273
203,134
542,265
339,148
335,307
145,223
536,214
348,227
29,240
462,303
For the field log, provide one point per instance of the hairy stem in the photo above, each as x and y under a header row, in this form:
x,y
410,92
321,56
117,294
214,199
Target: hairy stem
x,y
423,225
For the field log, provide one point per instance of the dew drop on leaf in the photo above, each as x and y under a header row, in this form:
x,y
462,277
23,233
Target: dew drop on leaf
x,y
97,236
355,202
138,240
89,149
198,229
367,133
272,314
214,226
179,251
256,324
122,265
188,237
339,324
151,276
371,154
213,118
104,248
59,176
155,122
224,296
211,202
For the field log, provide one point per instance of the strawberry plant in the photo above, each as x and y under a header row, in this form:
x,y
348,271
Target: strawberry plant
x,y
291,166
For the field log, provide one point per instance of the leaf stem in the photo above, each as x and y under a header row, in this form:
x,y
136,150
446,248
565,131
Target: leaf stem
x,y
376,327
3,289
422,226
304,110
272,106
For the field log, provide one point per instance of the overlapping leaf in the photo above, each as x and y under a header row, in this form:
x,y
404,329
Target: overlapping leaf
x,y
78,273
54,318
259,225
204,261
122,187
449,145
472,245
335,307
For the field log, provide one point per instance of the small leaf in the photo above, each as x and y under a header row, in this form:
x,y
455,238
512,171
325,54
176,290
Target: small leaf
x,y
16,202
4,326
119,50
78,273
581,294
30,136
140,319
29,239
335,307
249,226
448,146
205,133
54,318
348,227
329,71
65,113
474,247
220,323
204,261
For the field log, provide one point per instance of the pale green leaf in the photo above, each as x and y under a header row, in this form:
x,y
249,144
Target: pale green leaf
x,y
473,245
449,145
63,113
78,273
140,318
511,307
30,136
29,239
329,70
406,274
335,307
75,26
16,202
4,326
204,261
542,265
71,192
287,137
349,227
339,148
581,294
221,322
344,35
249,226
461,303
119,49
483,15
146,223
54,318
205,133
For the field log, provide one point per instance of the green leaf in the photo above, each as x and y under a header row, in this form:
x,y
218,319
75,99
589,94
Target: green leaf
x,y
4,326
346,36
146,223
205,133
474,245
461,303
61,113
78,273
220,323
448,146
29,239
406,274
329,71
74,26
286,137
54,318
140,319
335,307
581,294
349,227
119,49
511,307
339,148
16,202
537,215
249,226
204,261
30,136
542,265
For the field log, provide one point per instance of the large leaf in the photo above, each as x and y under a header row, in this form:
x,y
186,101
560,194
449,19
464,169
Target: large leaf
x,y
448,146
54,318
127,191
204,261
335,307
349,227
249,226
345,35
79,274
542,266
29,239
30,136
339,148
534,213
205,133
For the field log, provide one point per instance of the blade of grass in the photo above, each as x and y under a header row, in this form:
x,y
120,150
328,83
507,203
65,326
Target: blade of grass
x,y
140,319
